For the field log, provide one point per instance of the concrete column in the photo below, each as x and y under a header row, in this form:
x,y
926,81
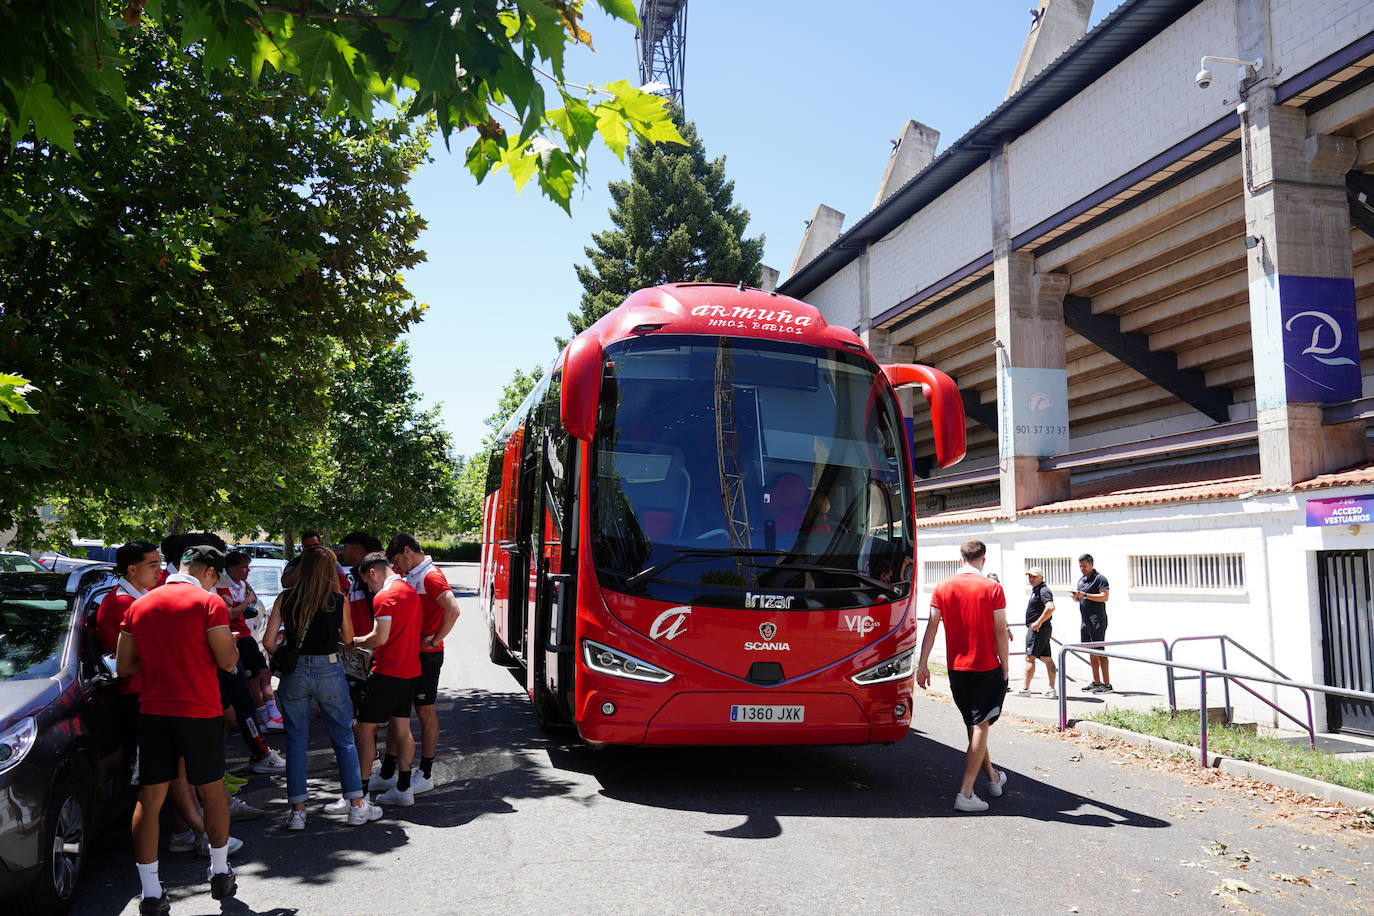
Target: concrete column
x,y
1302,292
769,281
912,151
1029,313
821,231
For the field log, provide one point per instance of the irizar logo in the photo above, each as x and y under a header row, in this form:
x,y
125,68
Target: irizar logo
x,y
670,624
861,625
767,602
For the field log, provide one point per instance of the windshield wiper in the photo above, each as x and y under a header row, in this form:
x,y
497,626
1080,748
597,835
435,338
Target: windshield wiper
x,y
683,553
886,588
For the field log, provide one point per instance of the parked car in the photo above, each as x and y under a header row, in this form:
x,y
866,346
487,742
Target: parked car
x,y
78,555
64,770
262,550
18,562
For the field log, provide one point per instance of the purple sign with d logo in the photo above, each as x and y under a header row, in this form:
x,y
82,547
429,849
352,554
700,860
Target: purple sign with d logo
x,y
1321,339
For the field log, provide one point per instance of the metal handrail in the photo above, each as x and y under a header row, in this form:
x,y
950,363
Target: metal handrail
x,y
1223,640
1203,671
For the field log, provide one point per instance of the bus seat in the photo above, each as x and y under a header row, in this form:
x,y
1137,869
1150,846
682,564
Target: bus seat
x,y
787,499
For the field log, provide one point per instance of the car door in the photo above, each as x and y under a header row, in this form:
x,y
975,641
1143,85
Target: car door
x,y
99,713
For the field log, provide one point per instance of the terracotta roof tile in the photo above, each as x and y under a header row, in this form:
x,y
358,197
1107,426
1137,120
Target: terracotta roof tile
x,y
1190,482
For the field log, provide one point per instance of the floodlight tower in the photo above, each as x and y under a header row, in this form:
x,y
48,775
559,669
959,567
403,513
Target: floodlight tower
x,y
661,45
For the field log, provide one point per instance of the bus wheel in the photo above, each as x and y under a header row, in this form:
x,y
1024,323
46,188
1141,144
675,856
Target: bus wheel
x,y
546,712
498,653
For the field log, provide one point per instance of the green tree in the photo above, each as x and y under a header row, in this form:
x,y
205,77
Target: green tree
x,y
472,479
674,220
392,463
176,287
483,64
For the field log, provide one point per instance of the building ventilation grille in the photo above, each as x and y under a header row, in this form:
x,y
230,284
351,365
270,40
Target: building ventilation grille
x,y
1214,572
932,571
1059,572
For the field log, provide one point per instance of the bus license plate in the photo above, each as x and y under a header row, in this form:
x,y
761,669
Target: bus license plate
x,y
788,714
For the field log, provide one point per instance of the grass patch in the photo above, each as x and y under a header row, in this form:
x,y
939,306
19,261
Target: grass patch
x,y
1239,744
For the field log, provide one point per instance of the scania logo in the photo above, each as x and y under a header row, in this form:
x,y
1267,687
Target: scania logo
x,y
670,624
768,630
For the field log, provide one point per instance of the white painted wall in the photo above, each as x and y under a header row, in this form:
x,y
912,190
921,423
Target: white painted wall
x,y
1278,616
838,298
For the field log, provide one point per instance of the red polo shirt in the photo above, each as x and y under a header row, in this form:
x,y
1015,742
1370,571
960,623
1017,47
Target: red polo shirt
x,y
400,656
169,625
966,601
434,584
108,619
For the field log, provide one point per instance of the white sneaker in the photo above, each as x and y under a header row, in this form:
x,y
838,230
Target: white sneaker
x,y
338,806
995,789
395,796
183,842
272,763
203,845
240,810
378,784
295,820
362,814
1024,692
419,784
274,724
1051,693
972,803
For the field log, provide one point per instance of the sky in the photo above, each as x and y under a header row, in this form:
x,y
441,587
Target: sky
x,y
801,97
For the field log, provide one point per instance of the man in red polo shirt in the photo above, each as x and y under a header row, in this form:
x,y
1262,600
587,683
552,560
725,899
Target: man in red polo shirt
x,y
974,611
390,688
439,612
177,636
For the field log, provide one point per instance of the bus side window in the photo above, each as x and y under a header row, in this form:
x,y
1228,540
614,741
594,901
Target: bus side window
x,y
494,461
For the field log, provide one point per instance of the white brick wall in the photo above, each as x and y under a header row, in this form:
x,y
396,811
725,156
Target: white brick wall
x,y
1139,109
951,232
838,297
1305,31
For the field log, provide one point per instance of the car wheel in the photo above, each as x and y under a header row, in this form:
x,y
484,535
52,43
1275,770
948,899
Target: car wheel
x,y
66,833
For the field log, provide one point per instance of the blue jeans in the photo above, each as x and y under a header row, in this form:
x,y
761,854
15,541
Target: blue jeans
x,y
316,676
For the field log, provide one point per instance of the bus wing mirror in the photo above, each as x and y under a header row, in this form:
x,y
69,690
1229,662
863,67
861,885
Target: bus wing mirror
x,y
946,407
581,387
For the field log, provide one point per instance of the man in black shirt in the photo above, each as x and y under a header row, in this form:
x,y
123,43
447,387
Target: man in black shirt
x,y
1039,610
1091,596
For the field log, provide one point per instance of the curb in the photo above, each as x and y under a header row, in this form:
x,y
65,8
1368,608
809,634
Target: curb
x,y
1352,798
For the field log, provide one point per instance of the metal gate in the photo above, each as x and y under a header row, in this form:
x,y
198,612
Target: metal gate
x,y
1347,603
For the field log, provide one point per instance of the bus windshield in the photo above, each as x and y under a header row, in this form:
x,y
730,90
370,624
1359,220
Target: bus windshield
x,y
728,467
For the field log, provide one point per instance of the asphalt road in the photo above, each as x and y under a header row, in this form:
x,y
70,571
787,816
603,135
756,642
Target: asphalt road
x,y
522,823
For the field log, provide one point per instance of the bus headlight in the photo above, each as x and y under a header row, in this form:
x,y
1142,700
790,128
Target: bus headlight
x,y
605,660
893,669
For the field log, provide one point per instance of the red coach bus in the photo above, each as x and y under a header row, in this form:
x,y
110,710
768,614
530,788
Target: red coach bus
x,y
698,527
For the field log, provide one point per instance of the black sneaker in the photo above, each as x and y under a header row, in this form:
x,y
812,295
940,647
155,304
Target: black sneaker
x,y
1103,688
154,906
1092,688
222,886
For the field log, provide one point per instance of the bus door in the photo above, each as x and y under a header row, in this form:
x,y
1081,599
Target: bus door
x,y
511,612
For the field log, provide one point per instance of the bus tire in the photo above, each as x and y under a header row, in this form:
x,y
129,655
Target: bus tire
x,y
546,712
497,652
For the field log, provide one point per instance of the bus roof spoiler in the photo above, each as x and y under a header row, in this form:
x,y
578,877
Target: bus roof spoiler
x,y
946,407
581,386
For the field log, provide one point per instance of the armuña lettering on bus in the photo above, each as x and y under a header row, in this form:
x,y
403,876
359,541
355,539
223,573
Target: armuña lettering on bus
x,y
780,316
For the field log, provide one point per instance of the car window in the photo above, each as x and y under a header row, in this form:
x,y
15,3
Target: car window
x,y
17,562
33,632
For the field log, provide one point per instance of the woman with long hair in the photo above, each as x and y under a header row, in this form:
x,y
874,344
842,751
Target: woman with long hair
x,y
313,616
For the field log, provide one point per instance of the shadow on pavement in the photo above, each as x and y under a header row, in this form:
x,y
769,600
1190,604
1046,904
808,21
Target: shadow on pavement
x,y
914,779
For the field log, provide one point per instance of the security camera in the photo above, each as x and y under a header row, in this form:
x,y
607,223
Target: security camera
x,y
1204,76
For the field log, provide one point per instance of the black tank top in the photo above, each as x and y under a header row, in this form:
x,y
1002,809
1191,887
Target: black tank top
x,y
323,636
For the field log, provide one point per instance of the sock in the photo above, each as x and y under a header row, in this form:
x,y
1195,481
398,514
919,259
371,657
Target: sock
x,y
219,859
403,781
366,780
147,877
273,710
388,766
263,714
427,766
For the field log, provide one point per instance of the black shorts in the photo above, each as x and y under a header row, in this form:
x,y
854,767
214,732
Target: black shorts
x,y
978,694
1038,643
250,656
386,697
427,684
1094,628
163,740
